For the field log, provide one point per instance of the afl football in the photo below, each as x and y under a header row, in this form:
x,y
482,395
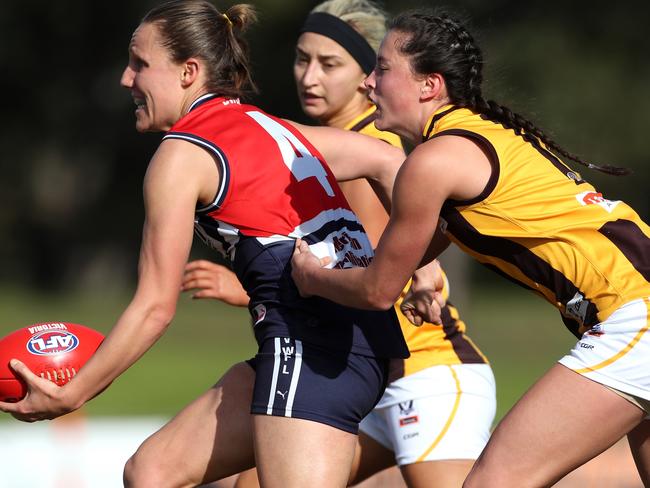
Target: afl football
x,y
55,351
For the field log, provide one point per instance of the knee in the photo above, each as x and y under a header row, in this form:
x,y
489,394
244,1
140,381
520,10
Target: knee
x,y
133,475
144,471
128,476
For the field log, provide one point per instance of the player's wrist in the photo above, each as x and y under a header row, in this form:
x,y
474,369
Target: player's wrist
x,y
301,280
311,276
70,398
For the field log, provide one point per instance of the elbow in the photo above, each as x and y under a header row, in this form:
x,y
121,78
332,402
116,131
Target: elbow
x,y
379,299
159,317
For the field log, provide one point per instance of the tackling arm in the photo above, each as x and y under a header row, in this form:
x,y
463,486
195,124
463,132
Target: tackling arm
x,y
443,168
400,250
351,155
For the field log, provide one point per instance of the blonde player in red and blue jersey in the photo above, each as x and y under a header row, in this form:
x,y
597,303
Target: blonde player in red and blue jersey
x,y
492,182
249,184
435,417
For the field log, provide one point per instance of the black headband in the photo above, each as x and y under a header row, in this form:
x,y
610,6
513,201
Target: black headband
x,y
344,34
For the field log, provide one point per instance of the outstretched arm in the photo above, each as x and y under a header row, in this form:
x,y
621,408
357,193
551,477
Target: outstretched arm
x,y
446,167
398,254
351,155
171,191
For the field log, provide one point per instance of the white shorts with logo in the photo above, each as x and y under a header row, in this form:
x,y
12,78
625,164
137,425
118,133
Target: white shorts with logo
x,y
442,412
616,352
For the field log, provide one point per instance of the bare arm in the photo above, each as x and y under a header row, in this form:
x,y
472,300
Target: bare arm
x,y
351,155
446,167
438,244
175,180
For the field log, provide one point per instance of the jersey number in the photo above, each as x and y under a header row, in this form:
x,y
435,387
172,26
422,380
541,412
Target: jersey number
x,y
295,155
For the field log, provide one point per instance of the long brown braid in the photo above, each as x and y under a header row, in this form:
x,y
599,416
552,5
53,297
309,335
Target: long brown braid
x,y
437,43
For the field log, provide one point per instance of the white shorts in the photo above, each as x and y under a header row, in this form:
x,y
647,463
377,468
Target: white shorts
x,y
442,412
616,352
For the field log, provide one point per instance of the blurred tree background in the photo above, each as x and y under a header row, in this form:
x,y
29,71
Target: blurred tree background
x,y
72,163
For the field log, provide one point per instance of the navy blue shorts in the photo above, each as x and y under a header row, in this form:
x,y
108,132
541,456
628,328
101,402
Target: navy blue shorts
x,y
300,380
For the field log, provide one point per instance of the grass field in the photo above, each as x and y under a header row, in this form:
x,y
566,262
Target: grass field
x,y
521,335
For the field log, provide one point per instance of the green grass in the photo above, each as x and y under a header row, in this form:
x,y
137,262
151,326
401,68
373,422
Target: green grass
x,y
204,339
521,335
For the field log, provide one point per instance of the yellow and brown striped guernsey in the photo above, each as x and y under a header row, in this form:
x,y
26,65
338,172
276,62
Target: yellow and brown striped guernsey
x,y
364,124
539,224
430,345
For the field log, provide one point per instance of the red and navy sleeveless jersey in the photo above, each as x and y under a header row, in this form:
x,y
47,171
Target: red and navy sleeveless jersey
x,y
274,188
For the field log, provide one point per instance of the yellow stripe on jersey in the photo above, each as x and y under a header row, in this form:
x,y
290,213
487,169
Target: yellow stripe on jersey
x,y
539,224
429,344
364,124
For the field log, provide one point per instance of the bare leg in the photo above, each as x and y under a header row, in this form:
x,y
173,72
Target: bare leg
x,y
560,423
248,479
449,473
209,439
639,440
297,453
370,457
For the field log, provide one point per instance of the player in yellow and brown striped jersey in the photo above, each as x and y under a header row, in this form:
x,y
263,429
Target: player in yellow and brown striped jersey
x,y
493,182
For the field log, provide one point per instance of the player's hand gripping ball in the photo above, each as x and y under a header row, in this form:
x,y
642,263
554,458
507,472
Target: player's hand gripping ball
x,y
54,351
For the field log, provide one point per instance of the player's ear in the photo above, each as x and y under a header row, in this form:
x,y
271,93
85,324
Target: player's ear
x,y
190,72
433,87
362,83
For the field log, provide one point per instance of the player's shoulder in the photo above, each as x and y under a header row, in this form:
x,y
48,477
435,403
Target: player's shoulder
x,y
218,112
448,152
434,164
216,123
429,155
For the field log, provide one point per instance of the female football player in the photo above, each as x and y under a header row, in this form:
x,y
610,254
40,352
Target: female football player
x,y
434,418
249,184
492,182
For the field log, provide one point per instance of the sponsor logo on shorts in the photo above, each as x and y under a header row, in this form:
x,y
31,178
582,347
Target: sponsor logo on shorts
x,y
259,313
406,408
595,198
584,345
282,394
52,342
410,435
413,419
595,331
288,352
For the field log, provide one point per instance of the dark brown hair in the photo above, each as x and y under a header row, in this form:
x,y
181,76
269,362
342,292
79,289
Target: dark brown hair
x,y
195,28
437,43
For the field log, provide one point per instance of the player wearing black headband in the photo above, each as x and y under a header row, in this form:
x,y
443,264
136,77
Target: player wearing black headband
x,y
345,35
434,418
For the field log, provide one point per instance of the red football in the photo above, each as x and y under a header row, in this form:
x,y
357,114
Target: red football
x,y
55,351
